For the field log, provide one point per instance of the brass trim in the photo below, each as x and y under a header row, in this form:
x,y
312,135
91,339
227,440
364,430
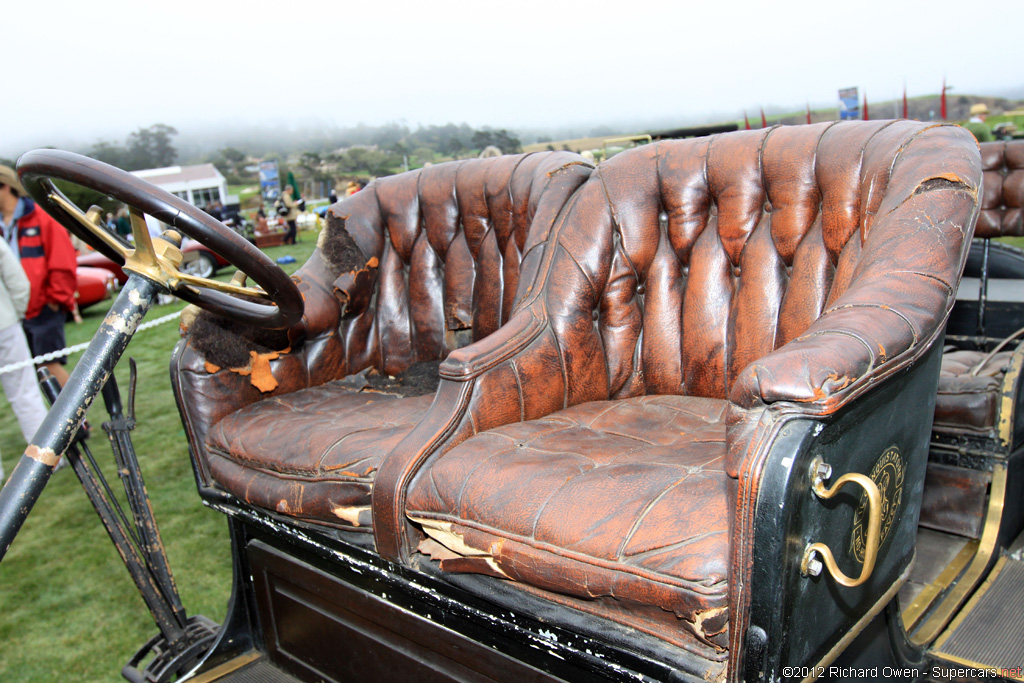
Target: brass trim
x,y
224,669
89,221
930,593
1008,397
820,472
155,260
943,614
862,623
226,287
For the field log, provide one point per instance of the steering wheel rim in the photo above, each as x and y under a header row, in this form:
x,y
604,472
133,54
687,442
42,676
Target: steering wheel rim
x,y
35,170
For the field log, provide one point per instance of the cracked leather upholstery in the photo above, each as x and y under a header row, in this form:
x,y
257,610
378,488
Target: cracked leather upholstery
x,y
603,486
796,266
443,250
312,453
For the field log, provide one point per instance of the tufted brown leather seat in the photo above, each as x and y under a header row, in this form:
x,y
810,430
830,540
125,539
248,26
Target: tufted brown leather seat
x,y
603,448
408,269
1002,200
967,402
969,390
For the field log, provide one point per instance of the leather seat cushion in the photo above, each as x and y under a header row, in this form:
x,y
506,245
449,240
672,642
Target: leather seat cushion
x,y
966,402
616,502
312,454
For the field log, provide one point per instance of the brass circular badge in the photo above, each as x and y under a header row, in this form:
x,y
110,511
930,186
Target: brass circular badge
x,y
888,477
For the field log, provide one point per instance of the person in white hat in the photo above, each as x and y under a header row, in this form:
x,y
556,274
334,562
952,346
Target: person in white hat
x,y
976,124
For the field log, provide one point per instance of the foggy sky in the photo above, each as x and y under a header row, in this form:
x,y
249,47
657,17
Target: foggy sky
x,y
78,72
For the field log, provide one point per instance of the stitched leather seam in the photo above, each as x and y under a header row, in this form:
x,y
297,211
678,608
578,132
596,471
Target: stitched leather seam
x,y
910,326
289,475
620,552
520,394
715,589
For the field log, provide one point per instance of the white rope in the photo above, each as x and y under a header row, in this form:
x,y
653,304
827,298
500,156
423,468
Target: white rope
x,y
54,355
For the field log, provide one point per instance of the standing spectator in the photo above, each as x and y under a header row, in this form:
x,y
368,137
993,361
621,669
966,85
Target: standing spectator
x,y
262,227
976,124
19,385
291,216
48,259
123,224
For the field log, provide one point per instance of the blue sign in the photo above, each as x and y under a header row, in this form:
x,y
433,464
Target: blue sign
x,y
849,104
270,183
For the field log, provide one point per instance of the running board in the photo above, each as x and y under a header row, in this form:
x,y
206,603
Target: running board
x,y
987,634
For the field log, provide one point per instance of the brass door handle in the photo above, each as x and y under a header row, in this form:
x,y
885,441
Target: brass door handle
x,y
810,565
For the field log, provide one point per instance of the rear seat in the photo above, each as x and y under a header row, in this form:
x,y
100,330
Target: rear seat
x,y
968,403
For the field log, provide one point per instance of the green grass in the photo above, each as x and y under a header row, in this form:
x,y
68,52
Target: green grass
x,y
68,609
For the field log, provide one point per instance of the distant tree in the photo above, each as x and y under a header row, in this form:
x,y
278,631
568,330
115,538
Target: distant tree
x,y
110,153
423,154
482,138
230,162
366,160
389,134
508,143
233,156
453,146
502,139
151,147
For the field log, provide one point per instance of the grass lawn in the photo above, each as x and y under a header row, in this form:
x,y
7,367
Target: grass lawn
x,y
68,609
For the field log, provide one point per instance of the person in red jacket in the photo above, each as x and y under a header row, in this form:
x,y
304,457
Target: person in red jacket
x,y
49,261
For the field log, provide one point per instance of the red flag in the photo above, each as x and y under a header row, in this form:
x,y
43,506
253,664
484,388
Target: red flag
x,y
764,121
866,117
746,120
808,112
942,100
905,101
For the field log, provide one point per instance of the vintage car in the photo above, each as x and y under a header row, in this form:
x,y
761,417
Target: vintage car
x,y
521,418
94,285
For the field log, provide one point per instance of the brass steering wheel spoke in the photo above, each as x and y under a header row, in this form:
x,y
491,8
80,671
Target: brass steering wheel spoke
x,y
226,287
275,304
89,221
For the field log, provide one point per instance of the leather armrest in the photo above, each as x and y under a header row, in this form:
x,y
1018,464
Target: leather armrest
x,y
892,311
512,375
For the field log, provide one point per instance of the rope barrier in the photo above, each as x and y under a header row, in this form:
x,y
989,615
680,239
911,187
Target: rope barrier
x,y
54,355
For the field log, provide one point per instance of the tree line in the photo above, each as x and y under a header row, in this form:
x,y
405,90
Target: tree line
x,y
359,150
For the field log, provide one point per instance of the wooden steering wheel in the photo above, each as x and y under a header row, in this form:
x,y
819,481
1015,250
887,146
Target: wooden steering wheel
x,y
275,303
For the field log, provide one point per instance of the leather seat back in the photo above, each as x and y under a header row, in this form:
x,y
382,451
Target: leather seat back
x,y
1002,203
448,243
686,261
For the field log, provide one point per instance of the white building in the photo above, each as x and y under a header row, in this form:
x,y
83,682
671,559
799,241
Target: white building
x,y
199,185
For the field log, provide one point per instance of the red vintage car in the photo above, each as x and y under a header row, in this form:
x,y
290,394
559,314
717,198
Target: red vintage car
x,y
94,285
